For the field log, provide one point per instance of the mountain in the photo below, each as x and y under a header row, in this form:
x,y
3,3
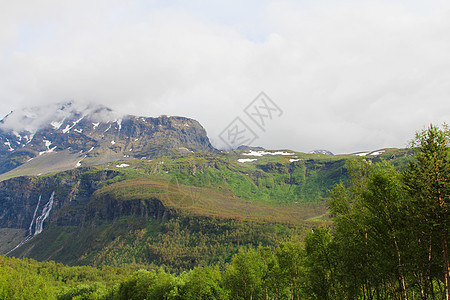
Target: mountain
x,y
326,152
139,192
63,136
177,211
245,147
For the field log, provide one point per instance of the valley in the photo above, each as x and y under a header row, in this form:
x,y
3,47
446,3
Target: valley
x,y
127,206
175,211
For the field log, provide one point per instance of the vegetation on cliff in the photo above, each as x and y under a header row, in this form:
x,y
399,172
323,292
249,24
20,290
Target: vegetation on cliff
x,y
388,240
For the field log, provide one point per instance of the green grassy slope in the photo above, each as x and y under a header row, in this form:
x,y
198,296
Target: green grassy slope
x,y
213,205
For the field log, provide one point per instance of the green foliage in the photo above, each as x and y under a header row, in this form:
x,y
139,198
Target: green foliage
x,y
29,279
427,182
274,182
391,227
83,292
320,265
244,276
183,243
203,283
244,236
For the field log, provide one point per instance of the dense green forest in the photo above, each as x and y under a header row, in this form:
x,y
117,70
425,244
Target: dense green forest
x,y
388,240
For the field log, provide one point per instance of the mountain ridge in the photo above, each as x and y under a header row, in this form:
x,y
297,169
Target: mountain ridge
x,y
95,135
98,213
105,190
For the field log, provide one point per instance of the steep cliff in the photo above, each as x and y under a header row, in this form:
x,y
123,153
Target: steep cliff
x,y
66,200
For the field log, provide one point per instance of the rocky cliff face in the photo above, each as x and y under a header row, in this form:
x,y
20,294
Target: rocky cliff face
x,y
19,199
66,199
95,134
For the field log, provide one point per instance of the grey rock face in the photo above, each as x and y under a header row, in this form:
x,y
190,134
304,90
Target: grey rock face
x,y
94,131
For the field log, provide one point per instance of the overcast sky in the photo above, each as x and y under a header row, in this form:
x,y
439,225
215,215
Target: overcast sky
x,y
348,75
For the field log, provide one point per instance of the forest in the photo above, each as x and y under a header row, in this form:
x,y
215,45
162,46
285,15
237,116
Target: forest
x,y
388,240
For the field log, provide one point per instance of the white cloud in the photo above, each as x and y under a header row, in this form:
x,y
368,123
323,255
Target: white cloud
x,y
348,76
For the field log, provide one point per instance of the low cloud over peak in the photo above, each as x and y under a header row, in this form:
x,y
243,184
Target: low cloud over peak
x,y
348,76
30,119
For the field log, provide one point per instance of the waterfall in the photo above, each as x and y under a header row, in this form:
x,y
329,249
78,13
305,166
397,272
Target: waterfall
x,y
34,215
44,215
39,221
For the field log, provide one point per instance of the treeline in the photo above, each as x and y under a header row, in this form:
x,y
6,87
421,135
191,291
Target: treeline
x,y
291,271
182,243
389,241
30,279
391,228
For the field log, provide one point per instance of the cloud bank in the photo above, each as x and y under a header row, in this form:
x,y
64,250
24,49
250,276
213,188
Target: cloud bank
x,y
347,76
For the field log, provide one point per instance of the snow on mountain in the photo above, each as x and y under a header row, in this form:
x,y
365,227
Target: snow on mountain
x,y
77,129
326,152
55,115
262,153
373,153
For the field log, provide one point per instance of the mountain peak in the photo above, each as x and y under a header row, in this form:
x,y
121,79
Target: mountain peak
x,y
321,151
92,134
32,119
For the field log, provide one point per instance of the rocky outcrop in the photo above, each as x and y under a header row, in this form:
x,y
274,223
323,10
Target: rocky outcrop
x,y
18,201
67,199
95,133
113,209
325,152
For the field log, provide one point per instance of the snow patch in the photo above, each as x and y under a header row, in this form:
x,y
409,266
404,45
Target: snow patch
x,y
68,128
377,152
47,151
243,160
362,154
262,153
293,159
17,135
77,121
108,128
95,125
7,143
122,166
113,143
56,125
47,144
30,138
79,162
